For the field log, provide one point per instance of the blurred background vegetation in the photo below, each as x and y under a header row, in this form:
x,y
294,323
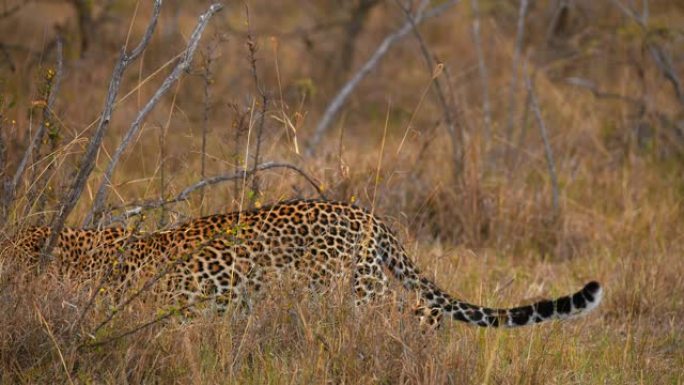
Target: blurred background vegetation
x,y
496,137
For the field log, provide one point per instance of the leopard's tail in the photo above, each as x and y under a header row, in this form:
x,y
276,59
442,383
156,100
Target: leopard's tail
x,y
569,306
436,304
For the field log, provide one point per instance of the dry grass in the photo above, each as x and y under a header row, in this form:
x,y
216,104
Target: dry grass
x,y
486,235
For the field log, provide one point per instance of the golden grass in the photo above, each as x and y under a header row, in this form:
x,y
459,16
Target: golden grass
x,y
486,236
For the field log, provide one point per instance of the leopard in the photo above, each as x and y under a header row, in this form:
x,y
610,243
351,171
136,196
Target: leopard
x,y
230,257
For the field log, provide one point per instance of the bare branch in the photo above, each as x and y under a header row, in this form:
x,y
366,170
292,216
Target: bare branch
x,y
662,59
482,68
168,265
137,209
145,325
519,37
207,80
106,276
534,104
176,73
252,47
598,93
88,160
346,90
36,195
455,134
640,19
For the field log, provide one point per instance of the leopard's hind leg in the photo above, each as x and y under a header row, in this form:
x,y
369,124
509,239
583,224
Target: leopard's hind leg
x,y
369,280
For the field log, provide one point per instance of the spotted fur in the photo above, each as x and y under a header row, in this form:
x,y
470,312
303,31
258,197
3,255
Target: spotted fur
x,y
230,256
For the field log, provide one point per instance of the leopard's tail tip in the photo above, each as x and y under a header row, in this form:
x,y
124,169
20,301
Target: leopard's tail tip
x,y
593,290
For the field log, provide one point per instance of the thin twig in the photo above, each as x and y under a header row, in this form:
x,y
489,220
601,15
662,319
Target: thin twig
x,y
661,58
181,66
455,133
42,182
53,80
88,160
252,47
599,94
640,19
207,80
239,126
104,279
523,135
534,104
167,268
663,61
143,326
346,90
147,286
54,342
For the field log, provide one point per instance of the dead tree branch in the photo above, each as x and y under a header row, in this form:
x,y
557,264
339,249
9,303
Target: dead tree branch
x,y
207,81
136,209
88,160
352,29
252,47
482,69
534,104
455,133
600,94
346,90
662,59
101,195
519,37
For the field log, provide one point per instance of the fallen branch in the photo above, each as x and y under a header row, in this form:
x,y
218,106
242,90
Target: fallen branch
x,y
346,90
181,67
